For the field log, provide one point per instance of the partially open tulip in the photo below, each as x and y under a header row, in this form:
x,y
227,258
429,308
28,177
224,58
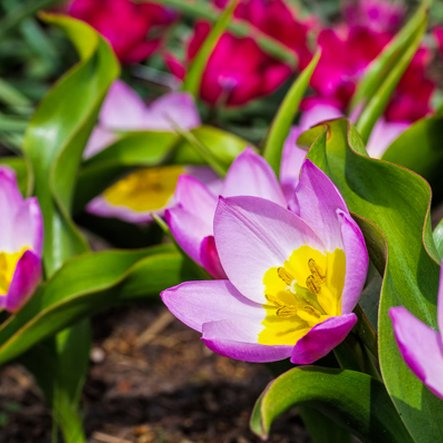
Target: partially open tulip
x,y
292,278
421,346
191,218
135,197
133,29
124,110
21,237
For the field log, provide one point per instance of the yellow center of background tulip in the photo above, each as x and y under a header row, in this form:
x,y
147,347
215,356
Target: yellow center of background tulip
x,y
8,263
147,189
303,292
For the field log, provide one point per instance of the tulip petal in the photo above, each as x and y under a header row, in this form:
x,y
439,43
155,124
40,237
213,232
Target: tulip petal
x,y
198,302
210,259
100,139
170,110
122,108
317,202
252,235
250,174
237,339
322,338
421,348
26,277
440,303
28,227
356,261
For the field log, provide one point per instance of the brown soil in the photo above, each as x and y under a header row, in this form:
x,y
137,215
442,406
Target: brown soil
x,y
151,380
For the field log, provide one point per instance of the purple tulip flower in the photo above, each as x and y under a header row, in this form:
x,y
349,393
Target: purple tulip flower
x,y
421,346
21,242
292,277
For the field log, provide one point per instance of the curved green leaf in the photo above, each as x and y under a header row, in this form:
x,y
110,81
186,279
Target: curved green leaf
x,y
284,118
352,399
58,132
438,238
397,202
107,278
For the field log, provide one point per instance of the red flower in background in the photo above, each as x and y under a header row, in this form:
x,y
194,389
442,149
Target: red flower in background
x,y
277,20
349,48
126,25
238,70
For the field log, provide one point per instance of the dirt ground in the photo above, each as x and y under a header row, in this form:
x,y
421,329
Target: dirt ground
x,y
151,380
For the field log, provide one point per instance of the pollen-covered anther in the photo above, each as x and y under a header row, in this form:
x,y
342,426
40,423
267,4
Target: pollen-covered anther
x,y
316,271
313,285
285,275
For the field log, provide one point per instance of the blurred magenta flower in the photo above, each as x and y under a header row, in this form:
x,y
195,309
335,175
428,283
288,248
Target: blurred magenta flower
x,y
133,29
123,110
293,278
237,70
21,243
421,346
279,21
349,48
377,15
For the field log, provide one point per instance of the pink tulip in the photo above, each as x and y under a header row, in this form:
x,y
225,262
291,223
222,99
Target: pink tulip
x,y
291,278
21,242
421,346
125,24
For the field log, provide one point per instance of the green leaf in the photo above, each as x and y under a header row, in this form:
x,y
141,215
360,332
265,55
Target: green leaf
x,y
152,148
282,122
192,81
240,28
419,147
60,366
321,428
352,399
87,284
374,93
58,132
396,201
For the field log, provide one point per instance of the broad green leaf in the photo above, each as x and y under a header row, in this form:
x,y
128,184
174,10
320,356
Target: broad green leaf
x,y
86,284
386,72
419,147
352,399
284,118
240,28
151,148
66,360
192,81
58,132
396,201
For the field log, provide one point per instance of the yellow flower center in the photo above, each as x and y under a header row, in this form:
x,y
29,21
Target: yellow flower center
x,y
303,292
8,263
148,189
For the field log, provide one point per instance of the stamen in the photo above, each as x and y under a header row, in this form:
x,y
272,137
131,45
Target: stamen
x,y
316,271
285,275
313,285
286,311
